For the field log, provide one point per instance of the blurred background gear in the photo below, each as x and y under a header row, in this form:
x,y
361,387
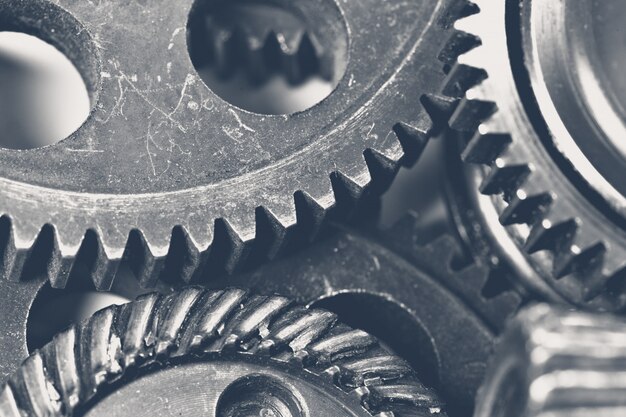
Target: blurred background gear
x,y
543,109
440,315
552,362
221,353
177,181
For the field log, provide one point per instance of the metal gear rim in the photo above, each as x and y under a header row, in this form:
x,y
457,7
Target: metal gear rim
x,y
270,205
81,361
579,250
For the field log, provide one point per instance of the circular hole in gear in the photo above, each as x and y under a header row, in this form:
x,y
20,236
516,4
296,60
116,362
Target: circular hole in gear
x,y
259,396
48,78
398,330
270,56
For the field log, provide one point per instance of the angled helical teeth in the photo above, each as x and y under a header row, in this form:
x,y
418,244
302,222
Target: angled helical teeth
x,y
554,362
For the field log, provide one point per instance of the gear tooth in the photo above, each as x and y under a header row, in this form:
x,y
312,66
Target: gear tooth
x,y
385,368
136,336
389,398
40,397
311,214
65,367
145,264
309,57
485,149
96,358
231,244
183,257
439,108
8,402
461,78
470,114
459,43
413,138
404,228
503,178
174,313
348,190
525,208
572,260
552,235
273,234
344,343
382,167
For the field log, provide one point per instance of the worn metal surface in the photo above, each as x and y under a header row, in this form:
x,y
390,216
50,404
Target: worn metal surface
x,y
169,176
555,363
441,319
221,353
542,110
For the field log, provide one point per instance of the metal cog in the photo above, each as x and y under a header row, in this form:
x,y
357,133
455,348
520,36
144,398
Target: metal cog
x,y
565,229
554,362
174,181
260,342
449,315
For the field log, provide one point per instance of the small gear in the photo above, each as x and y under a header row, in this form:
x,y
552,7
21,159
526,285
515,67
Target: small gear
x,y
553,362
175,181
526,73
223,351
442,319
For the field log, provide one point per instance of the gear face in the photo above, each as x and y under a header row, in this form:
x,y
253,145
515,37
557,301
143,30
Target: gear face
x,y
240,353
557,363
442,320
168,176
538,107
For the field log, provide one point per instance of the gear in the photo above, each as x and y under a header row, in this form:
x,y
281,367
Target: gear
x,y
176,181
553,362
442,320
552,161
225,350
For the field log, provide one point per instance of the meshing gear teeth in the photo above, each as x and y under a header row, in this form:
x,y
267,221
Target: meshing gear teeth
x,y
160,332
403,282
171,180
575,246
555,363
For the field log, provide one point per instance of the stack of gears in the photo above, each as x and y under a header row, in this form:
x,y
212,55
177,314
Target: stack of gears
x,y
263,285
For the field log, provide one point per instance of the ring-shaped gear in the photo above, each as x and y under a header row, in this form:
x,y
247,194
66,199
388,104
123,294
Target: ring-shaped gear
x,y
575,244
174,180
331,366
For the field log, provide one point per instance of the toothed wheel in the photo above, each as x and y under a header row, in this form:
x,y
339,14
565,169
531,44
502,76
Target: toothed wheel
x,y
223,353
170,177
440,317
542,101
557,363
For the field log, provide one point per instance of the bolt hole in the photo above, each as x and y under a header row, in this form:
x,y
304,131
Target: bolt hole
x,y
44,98
399,330
259,396
275,57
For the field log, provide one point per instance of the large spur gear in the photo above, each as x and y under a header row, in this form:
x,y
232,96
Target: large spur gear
x,y
542,103
443,319
174,180
219,353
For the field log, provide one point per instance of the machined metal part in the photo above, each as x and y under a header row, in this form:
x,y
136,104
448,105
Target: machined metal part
x,y
215,353
175,181
441,319
552,362
543,108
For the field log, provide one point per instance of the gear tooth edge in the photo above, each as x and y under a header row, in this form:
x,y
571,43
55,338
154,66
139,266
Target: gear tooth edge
x,y
145,264
439,108
470,113
504,179
309,326
358,372
552,234
273,233
526,209
461,78
255,318
311,213
62,362
485,148
383,168
173,319
413,138
137,339
458,44
348,190
231,245
580,375
399,398
39,396
183,258
342,344
8,402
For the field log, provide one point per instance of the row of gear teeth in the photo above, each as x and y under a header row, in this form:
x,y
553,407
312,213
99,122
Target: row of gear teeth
x,y
472,78
80,361
296,54
45,253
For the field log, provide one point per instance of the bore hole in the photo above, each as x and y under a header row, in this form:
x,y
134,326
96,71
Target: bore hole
x,y
399,330
259,396
269,57
44,98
